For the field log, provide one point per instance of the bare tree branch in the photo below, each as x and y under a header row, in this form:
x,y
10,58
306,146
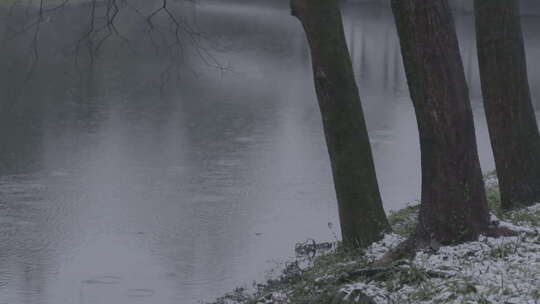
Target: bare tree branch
x,y
166,30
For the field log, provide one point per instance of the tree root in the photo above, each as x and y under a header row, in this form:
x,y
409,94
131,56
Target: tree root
x,y
382,272
404,251
408,248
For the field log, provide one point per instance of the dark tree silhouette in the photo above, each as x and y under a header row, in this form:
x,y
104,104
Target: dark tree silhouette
x,y
361,212
124,24
507,101
454,207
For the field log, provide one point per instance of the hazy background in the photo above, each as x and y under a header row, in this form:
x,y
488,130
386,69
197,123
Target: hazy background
x,y
152,176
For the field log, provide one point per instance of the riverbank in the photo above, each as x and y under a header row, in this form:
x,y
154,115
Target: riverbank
x,y
490,270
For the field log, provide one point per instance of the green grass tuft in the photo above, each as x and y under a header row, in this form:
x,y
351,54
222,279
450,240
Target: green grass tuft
x,y
403,221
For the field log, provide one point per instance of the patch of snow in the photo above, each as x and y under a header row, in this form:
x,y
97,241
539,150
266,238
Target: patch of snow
x,y
522,226
372,291
492,270
378,249
491,180
517,228
275,297
534,208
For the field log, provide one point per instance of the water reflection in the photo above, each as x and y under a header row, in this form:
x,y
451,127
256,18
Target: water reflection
x,y
112,193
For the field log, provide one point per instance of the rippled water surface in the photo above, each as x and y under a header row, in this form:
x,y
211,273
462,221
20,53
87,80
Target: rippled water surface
x,y
133,197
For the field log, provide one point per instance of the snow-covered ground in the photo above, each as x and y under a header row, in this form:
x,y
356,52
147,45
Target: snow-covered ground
x,y
502,270
490,270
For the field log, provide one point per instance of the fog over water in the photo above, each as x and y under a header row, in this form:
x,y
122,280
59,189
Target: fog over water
x,y
126,182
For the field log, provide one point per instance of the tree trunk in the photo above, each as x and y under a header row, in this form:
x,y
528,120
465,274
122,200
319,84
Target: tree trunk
x,y
507,101
360,207
454,207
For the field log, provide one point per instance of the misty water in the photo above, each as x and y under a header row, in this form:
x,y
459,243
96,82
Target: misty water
x,y
114,192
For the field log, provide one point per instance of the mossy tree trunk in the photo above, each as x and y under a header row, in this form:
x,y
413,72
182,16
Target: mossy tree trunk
x,y
360,207
454,207
507,101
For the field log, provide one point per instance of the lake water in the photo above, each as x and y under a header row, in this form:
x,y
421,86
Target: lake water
x,y
112,193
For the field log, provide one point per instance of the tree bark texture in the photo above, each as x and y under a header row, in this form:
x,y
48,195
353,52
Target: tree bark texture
x,y
454,207
360,207
507,101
